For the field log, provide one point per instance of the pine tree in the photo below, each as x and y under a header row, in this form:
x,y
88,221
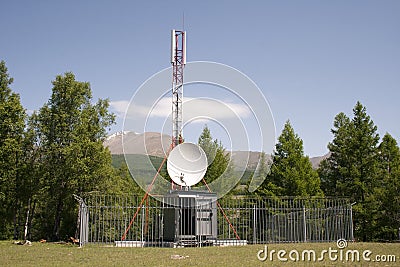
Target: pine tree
x,y
334,171
351,169
260,173
291,172
12,123
387,190
219,175
208,144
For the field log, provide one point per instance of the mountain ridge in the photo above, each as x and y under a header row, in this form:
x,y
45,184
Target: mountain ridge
x,y
157,144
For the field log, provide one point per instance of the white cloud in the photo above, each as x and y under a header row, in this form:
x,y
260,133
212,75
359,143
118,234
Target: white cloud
x,y
192,108
119,107
162,109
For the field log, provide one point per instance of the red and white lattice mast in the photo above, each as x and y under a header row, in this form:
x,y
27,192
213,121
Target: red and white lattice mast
x,y
178,61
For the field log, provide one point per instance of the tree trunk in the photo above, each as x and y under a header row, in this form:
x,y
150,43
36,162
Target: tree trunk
x,y
78,223
57,220
27,219
31,219
15,219
15,205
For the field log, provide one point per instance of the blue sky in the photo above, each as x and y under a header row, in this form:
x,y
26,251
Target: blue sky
x,y
311,59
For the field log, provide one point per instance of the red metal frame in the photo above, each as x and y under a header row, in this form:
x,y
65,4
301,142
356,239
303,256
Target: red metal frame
x,y
178,65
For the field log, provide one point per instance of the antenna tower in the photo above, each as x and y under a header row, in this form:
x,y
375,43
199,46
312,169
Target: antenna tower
x,y
178,61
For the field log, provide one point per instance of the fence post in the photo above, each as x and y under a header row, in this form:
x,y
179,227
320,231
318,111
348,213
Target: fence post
x,y
83,223
351,221
254,224
305,224
142,226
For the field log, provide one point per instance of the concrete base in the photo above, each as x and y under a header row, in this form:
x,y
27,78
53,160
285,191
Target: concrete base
x,y
142,244
230,242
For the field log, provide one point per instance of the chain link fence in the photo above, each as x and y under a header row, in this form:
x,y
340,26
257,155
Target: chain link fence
x,y
234,220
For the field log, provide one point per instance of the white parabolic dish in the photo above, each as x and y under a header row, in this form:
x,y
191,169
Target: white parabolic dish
x,y
187,164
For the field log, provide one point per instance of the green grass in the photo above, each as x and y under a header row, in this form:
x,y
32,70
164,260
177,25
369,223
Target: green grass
x,y
50,254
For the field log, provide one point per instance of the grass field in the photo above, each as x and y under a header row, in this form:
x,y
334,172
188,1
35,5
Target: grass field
x,y
50,254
